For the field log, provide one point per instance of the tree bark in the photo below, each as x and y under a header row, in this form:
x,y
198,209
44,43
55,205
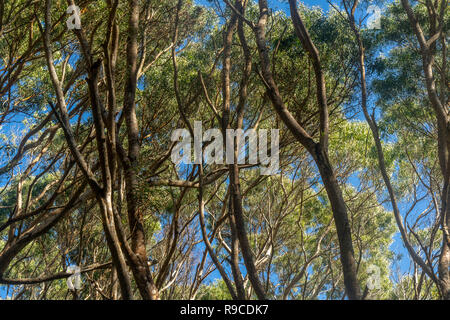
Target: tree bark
x,y
139,267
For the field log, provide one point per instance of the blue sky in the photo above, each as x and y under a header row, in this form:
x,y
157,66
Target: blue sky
x,y
283,4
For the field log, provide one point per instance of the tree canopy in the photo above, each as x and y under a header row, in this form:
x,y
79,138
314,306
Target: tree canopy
x,y
359,205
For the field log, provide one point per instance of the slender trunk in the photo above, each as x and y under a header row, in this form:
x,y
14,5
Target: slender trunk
x,y
241,232
115,249
319,151
427,50
235,195
444,258
213,256
240,288
341,221
380,154
139,267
